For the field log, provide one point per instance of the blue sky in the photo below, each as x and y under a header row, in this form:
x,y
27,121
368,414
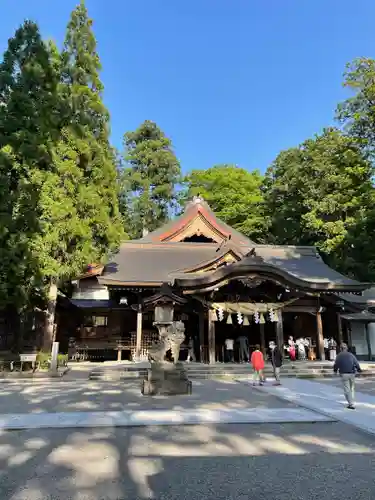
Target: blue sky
x,y
230,81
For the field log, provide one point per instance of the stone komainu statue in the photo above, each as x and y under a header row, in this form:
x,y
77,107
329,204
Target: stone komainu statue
x,y
171,339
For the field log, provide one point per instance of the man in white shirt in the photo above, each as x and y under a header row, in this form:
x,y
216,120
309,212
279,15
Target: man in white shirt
x,y
229,345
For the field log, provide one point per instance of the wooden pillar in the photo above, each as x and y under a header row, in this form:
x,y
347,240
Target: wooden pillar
x,y
263,346
368,342
119,354
139,333
280,332
201,336
319,335
340,337
211,338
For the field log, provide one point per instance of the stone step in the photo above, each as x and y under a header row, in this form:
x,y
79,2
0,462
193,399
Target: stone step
x,y
118,375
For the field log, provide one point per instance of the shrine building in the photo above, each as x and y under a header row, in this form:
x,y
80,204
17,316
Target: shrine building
x,y
221,284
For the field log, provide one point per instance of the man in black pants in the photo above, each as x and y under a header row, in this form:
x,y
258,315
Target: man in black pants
x,y
277,362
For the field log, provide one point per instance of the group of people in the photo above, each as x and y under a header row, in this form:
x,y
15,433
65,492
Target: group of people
x,y
301,349
243,349
345,364
257,362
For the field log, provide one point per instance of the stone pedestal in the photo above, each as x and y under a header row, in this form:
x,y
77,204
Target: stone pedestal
x,y
166,378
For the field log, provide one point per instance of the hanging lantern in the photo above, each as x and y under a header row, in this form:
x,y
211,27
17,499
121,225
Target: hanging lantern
x,y
246,321
220,313
256,317
261,319
229,319
239,318
276,317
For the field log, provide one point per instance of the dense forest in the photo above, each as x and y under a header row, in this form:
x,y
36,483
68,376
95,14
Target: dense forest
x,y
68,197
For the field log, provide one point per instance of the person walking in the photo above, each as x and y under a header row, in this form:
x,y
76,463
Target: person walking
x,y
257,362
277,362
191,353
346,364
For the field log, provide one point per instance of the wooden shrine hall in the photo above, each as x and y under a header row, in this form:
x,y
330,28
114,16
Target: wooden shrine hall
x,y
221,284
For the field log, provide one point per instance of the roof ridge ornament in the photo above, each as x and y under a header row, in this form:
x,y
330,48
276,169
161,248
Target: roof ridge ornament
x,y
196,200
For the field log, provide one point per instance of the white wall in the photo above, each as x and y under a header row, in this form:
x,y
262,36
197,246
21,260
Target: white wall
x,y
90,289
359,338
371,330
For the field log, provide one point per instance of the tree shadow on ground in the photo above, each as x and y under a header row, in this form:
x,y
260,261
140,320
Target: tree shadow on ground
x,y
304,461
117,396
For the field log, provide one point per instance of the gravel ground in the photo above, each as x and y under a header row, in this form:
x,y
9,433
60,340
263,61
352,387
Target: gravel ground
x,y
103,396
268,462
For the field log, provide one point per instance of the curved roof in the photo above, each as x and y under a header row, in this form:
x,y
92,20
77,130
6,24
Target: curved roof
x,y
297,272
163,256
141,263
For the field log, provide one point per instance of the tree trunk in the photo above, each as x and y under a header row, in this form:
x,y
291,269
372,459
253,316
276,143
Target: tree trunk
x,y
49,328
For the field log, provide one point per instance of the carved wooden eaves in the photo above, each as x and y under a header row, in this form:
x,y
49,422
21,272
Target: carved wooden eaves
x,y
230,257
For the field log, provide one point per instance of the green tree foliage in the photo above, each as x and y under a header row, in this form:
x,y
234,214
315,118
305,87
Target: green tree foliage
x,y
60,206
357,113
149,182
315,194
80,220
29,112
234,194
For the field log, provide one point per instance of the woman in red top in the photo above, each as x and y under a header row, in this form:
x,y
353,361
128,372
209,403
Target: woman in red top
x,y
257,361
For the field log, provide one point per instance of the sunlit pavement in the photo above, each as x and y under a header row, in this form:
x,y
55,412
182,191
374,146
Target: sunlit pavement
x,y
90,396
328,399
304,461
365,385
325,461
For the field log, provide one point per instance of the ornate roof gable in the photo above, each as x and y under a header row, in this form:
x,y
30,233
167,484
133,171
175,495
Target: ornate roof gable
x,y
197,221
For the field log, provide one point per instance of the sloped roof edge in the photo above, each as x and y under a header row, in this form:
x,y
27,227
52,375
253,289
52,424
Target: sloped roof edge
x,y
248,266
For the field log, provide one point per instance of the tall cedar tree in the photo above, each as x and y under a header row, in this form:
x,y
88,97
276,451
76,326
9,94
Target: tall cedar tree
x,y
234,194
29,112
149,183
316,193
80,221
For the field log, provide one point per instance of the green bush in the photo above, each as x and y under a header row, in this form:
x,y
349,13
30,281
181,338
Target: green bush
x,y
62,359
44,359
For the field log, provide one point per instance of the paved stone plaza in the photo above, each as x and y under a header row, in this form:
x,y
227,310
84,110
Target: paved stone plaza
x,y
87,396
114,460
325,461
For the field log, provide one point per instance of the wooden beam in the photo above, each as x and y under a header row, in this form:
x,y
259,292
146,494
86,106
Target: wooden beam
x,y
319,335
263,347
139,334
368,341
201,335
280,332
211,338
340,337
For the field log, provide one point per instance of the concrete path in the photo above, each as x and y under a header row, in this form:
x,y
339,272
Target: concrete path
x,y
157,417
327,399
